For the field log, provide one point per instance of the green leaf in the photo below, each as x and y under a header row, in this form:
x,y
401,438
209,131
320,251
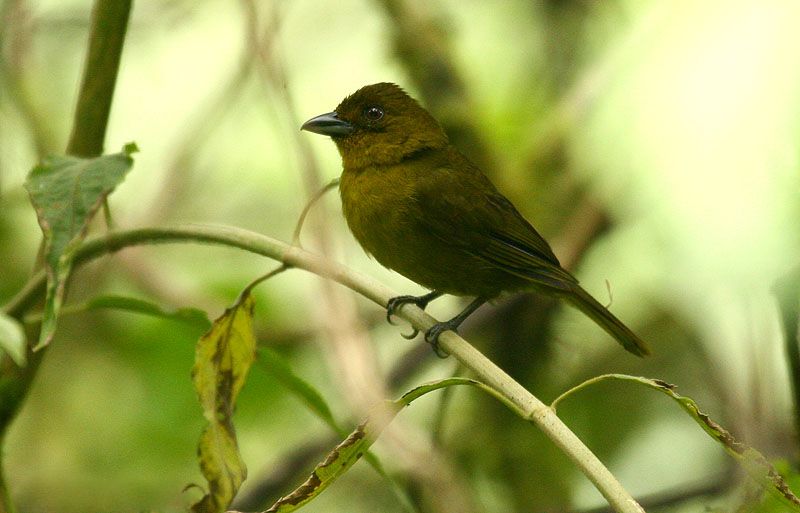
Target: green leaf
x,y
223,359
12,339
344,455
756,465
66,192
417,392
191,316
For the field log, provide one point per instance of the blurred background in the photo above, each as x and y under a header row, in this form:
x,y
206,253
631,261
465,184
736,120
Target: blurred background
x,y
656,145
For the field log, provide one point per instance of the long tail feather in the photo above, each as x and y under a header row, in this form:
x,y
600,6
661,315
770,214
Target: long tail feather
x,y
606,320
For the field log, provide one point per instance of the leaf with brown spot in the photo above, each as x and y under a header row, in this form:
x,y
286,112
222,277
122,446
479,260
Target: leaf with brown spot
x,y
756,465
223,359
350,450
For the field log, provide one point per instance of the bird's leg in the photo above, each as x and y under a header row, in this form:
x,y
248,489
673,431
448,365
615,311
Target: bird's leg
x,y
420,301
432,335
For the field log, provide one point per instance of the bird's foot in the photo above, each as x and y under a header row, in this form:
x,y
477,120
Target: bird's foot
x,y
397,302
432,335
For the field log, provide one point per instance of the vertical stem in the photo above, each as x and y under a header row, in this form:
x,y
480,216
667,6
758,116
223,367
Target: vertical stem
x,y
106,37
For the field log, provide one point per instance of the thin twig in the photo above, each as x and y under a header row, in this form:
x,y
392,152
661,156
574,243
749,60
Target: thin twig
x,y
253,284
311,202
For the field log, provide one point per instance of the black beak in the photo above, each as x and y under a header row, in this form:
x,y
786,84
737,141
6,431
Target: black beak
x,y
328,124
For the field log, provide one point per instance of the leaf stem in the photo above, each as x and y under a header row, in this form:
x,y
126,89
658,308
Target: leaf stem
x,y
511,392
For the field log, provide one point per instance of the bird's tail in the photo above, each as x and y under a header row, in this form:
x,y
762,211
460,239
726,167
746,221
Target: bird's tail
x,y
606,320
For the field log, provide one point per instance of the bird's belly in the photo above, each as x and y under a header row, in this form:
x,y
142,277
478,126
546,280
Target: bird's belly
x,y
381,218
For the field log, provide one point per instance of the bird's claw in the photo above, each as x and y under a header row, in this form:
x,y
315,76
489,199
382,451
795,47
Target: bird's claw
x,y
432,337
396,302
410,336
421,301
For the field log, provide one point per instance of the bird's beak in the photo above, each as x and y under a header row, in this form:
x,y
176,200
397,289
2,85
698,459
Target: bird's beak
x,y
328,124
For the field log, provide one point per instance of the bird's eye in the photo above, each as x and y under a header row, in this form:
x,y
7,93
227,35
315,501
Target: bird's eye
x,y
373,113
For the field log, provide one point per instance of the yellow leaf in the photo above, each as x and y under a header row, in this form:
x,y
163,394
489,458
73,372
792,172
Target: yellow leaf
x,y
222,361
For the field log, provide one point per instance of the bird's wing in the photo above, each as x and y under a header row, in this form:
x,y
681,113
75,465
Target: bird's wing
x,y
464,210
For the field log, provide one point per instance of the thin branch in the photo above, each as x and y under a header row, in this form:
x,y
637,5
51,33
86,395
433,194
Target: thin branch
x,y
512,393
107,35
311,202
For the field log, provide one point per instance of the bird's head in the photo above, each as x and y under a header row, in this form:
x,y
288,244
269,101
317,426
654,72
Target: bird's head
x,y
378,125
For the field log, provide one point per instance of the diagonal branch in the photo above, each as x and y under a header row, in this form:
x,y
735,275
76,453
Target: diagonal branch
x,y
515,395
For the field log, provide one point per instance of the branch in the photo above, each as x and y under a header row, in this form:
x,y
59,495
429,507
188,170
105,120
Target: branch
x,y
109,25
515,395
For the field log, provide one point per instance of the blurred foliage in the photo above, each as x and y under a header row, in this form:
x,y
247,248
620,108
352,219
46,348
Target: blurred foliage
x,y
655,144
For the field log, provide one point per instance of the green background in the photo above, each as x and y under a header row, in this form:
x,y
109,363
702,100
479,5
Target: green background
x,y
656,145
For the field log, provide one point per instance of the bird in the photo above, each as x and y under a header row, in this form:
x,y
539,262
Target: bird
x,y
418,206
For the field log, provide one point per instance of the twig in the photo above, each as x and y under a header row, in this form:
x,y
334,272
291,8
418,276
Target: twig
x,y
311,202
512,393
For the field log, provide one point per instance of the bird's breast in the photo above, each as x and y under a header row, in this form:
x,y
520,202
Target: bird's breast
x,y
375,202
381,207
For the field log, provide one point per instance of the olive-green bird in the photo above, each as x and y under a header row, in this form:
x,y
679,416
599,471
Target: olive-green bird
x,y
421,208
